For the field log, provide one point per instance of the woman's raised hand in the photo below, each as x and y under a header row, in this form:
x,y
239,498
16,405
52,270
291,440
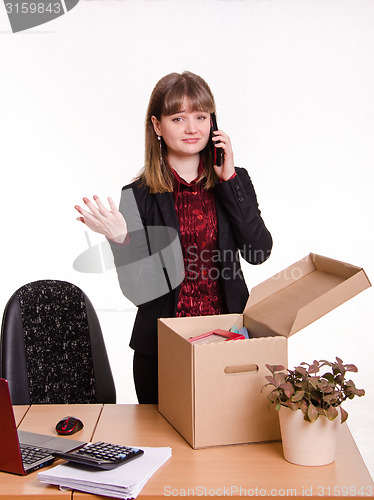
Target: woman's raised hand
x,y
99,219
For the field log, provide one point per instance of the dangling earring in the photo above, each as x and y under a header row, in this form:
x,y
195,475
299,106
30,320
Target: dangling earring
x,y
159,139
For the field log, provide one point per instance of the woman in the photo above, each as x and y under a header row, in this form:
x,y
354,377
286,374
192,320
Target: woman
x,y
212,210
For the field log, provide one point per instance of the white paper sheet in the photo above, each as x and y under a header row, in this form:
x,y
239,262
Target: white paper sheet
x,y
125,481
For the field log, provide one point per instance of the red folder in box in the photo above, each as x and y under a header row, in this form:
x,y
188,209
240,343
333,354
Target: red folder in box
x,y
222,333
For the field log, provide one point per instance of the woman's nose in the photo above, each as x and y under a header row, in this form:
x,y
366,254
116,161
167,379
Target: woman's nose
x,y
190,127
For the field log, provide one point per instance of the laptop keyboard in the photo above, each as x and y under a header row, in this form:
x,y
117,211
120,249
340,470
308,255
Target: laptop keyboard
x,y
31,454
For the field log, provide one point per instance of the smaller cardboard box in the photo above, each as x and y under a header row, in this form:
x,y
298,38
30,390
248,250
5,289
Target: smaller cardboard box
x,y
211,393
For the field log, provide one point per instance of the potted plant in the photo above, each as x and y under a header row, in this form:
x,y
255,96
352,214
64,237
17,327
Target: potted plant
x,y
309,405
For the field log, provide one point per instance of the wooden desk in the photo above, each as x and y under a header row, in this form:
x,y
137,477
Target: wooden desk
x,y
224,470
240,470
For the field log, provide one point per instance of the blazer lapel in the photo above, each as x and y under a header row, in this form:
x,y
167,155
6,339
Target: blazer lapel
x,y
165,202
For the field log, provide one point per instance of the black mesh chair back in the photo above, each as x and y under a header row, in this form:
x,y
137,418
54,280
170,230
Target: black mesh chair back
x,y
52,350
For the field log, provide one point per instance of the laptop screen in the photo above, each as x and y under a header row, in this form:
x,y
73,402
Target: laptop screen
x,y
10,455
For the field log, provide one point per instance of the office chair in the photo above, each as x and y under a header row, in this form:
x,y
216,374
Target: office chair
x,y
51,347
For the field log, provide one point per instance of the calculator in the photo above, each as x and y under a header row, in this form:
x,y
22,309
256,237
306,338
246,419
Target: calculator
x,y
101,455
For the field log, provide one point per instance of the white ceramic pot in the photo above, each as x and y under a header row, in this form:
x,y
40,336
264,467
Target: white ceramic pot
x,y
308,443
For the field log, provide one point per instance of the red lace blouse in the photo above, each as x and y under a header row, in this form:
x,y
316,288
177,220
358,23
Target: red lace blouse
x,y
200,293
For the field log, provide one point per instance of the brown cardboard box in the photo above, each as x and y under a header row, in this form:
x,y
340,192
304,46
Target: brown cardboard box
x,y
211,393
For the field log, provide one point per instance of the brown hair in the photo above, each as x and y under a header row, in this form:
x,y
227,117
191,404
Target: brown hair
x,y
166,99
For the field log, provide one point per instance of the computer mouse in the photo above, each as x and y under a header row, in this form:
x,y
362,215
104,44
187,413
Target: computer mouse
x,y
69,425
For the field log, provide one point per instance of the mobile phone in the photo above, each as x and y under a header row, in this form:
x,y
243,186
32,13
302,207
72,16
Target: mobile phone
x,y
217,152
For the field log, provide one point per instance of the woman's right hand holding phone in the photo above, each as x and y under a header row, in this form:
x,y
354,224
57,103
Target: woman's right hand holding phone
x,y
109,222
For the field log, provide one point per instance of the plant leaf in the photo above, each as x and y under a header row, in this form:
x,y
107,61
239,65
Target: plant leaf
x,y
298,396
271,380
275,368
304,406
313,381
292,406
314,368
278,368
301,370
344,415
280,378
329,377
332,413
287,388
312,412
351,368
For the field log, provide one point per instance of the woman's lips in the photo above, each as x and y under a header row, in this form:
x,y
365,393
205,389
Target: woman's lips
x,y
191,141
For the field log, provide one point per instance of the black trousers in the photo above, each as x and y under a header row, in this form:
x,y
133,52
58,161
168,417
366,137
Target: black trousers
x,y
145,369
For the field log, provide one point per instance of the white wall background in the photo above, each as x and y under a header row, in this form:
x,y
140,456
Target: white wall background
x,y
293,82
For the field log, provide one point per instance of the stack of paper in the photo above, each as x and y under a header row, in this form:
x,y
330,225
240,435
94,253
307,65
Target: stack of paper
x,y
126,481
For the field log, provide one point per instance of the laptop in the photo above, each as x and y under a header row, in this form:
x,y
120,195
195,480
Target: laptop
x,y
23,452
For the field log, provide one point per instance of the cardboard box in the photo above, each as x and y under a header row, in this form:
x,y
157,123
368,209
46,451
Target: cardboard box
x,y
211,393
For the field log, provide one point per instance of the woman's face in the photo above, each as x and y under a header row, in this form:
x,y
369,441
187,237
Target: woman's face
x,y
185,133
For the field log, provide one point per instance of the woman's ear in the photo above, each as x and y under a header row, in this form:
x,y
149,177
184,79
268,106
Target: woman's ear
x,y
156,125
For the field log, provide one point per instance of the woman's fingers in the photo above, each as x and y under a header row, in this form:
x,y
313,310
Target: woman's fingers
x,y
221,139
102,209
112,204
87,217
82,211
95,210
85,213
110,223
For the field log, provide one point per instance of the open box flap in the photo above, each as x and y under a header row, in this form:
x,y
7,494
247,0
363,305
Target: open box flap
x,y
300,294
330,300
279,281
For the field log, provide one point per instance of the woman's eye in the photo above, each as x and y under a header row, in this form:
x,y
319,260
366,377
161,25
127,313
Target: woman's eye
x,y
177,119
201,117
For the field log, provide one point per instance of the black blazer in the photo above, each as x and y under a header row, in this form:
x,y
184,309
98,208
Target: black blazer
x,y
240,229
